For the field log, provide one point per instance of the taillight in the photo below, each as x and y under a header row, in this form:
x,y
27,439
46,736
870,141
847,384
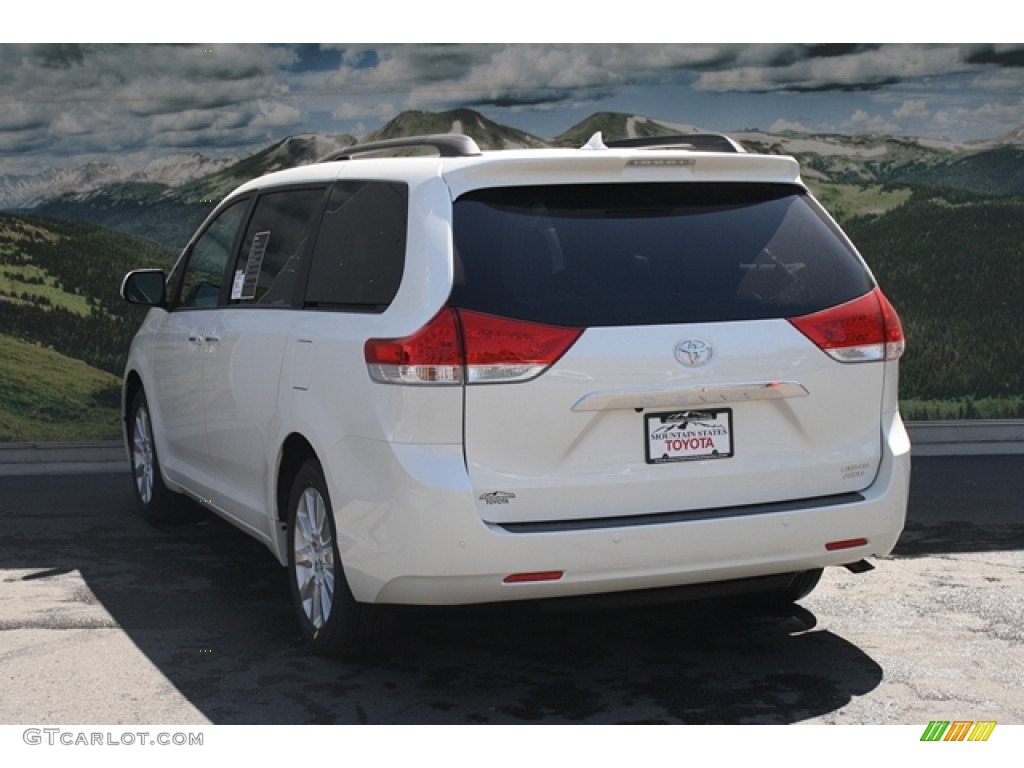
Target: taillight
x,y
458,345
500,349
860,331
432,355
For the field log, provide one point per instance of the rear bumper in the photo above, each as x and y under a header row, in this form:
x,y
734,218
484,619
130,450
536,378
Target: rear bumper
x,y
415,536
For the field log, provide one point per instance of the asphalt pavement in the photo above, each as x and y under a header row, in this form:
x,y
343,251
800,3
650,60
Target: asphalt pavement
x,y
105,620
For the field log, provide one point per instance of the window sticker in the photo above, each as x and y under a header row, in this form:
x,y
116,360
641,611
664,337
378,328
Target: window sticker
x,y
254,264
236,286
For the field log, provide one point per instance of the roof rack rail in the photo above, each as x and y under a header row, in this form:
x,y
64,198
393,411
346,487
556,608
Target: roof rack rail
x,y
446,144
707,142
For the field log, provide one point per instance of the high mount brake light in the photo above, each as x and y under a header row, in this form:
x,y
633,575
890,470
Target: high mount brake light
x,y
860,331
458,346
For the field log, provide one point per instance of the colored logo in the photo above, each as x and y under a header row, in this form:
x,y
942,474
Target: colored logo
x,y
958,730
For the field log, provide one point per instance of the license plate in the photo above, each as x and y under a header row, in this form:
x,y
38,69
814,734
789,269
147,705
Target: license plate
x,y
688,435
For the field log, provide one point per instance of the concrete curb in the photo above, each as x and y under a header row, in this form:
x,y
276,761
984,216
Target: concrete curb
x,y
62,458
984,437
99,450
929,438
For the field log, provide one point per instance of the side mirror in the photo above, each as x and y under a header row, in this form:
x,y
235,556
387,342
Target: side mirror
x,y
147,287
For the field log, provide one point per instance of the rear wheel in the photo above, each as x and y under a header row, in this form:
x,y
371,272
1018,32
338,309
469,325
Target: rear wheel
x,y
802,584
330,620
156,502
778,595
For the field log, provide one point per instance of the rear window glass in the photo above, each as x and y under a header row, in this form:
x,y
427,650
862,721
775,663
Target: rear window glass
x,y
649,254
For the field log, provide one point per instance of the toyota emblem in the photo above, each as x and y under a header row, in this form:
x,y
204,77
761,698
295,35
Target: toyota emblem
x,y
693,353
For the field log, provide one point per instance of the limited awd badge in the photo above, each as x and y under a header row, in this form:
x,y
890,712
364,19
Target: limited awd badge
x,y
693,353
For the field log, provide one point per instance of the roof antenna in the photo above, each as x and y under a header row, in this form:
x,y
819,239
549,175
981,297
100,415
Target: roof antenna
x,y
596,142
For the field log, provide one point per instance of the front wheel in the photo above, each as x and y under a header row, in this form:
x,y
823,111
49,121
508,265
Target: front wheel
x,y
330,620
156,502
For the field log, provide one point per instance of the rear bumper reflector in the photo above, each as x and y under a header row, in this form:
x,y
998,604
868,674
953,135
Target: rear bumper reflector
x,y
832,546
519,578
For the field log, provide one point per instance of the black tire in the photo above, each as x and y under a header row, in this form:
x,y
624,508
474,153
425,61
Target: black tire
x,y
157,503
331,622
802,584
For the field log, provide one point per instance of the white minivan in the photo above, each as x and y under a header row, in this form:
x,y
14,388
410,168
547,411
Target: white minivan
x,y
470,377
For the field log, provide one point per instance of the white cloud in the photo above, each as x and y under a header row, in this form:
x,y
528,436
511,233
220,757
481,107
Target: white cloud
x,y
276,114
782,125
912,109
65,101
861,121
1005,79
999,111
22,117
860,69
81,99
72,125
351,111
532,73
988,121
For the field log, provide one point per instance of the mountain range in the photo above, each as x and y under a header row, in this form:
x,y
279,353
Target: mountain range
x,y
940,225
28,191
168,198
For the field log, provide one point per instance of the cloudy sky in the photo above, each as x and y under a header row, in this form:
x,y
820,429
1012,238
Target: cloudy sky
x,y
63,105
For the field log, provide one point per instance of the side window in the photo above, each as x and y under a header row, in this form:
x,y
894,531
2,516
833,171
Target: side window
x,y
275,243
360,251
204,271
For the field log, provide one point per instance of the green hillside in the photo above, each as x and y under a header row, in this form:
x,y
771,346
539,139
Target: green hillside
x,y
46,396
848,201
941,226
953,265
871,158
997,171
145,210
59,287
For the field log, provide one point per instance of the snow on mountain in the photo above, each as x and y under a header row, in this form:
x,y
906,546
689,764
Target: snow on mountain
x,y
824,145
220,175
28,191
25,191
178,169
1015,136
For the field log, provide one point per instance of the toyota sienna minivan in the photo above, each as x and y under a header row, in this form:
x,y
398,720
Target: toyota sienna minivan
x,y
471,377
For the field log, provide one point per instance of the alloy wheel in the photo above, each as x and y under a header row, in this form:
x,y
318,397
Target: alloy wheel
x,y
142,455
314,557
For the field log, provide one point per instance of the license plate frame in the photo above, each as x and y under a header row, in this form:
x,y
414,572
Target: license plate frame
x,y
704,434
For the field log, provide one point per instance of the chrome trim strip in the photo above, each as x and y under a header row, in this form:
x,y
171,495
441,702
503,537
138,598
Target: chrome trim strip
x,y
691,397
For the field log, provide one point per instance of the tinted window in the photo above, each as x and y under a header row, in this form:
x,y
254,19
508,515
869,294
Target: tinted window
x,y
649,254
360,251
276,241
204,272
